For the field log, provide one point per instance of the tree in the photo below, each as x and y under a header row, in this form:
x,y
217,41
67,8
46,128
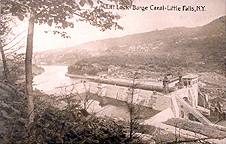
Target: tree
x,y
5,28
57,13
5,71
134,108
9,44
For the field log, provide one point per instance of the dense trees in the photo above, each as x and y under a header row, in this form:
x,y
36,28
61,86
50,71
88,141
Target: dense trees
x,y
56,13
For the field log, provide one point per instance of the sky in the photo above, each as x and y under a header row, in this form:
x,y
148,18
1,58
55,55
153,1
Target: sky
x,y
133,21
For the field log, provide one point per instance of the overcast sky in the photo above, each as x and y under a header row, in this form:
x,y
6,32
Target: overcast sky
x,y
133,21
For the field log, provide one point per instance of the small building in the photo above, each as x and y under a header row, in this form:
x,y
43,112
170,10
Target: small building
x,y
190,80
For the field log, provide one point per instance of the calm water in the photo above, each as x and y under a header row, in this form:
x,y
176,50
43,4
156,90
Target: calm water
x,y
54,76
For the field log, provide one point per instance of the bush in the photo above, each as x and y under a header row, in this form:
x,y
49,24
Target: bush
x,y
53,125
71,126
195,127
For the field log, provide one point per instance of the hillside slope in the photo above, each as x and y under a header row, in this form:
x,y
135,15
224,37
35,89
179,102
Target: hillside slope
x,y
199,49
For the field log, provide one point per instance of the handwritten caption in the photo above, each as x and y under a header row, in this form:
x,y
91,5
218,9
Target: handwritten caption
x,y
183,8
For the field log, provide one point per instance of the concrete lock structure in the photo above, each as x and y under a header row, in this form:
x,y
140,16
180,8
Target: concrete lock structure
x,y
179,94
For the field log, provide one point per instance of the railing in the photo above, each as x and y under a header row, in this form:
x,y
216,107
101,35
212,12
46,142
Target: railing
x,y
197,114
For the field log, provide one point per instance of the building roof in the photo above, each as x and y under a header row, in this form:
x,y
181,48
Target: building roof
x,y
190,76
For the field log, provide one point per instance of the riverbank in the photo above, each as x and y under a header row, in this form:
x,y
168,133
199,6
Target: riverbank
x,y
37,70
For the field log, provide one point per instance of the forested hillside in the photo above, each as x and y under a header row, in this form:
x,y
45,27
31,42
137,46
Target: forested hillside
x,y
199,49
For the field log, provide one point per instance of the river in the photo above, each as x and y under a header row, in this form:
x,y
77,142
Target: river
x,y
54,76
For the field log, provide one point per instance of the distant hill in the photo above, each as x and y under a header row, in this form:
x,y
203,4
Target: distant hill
x,y
197,49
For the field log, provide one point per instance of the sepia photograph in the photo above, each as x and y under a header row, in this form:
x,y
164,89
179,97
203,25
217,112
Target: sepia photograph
x,y
113,72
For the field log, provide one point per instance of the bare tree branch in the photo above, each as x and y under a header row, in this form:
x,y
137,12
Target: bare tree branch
x,y
15,44
14,39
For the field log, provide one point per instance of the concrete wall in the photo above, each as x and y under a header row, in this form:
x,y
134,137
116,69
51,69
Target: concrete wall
x,y
162,102
146,98
191,93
